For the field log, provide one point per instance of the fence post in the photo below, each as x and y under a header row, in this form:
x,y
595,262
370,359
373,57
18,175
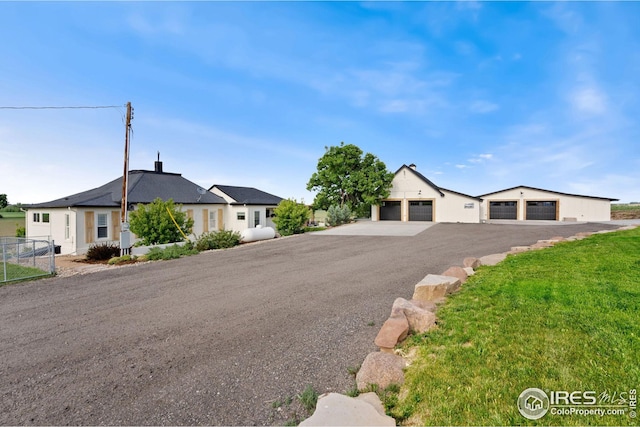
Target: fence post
x,y
52,256
4,259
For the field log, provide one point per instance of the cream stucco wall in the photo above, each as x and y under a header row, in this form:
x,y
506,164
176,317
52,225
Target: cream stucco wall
x,y
569,207
406,186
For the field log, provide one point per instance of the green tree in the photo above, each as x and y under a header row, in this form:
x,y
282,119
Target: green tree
x,y
291,217
153,225
347,176
3,201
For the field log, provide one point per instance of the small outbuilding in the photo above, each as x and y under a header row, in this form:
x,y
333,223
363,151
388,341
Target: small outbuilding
x,y
524,203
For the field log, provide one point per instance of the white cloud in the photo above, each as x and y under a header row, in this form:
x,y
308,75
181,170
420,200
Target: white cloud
x,y
480,158
589,100
483,107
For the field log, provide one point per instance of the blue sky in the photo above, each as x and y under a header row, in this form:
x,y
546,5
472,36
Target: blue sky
x,y
481,96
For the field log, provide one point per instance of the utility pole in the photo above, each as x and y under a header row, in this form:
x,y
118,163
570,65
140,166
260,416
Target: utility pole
x,y
125,241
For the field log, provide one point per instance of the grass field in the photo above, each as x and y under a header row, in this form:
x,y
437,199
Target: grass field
x,y
625,211
559,319
8,223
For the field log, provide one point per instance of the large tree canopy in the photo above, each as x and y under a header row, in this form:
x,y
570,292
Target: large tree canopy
x,y
347,176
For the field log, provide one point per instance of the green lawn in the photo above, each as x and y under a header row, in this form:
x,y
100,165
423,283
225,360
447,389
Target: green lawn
x,y
18,272
565,318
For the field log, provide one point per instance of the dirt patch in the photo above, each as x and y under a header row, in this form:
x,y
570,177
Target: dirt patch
x,y
625,214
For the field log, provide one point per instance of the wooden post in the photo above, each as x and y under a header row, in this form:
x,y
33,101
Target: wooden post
x,y
124,225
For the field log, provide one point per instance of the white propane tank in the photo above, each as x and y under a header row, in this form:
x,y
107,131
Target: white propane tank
x,y
258,233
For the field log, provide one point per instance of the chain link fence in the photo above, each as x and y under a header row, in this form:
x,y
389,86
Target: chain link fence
x,y
22,258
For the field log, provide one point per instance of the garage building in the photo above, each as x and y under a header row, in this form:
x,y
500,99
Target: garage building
x,y
528,204
413,197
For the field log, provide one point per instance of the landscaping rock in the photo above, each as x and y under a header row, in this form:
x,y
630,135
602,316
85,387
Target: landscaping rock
x,y
492,259
382,369
517,249
434,287
394,330
471,262
469,271
457,272
335,409
557,239
419,319
425,305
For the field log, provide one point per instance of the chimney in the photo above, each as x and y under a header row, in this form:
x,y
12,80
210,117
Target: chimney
x,y
158,164
412,166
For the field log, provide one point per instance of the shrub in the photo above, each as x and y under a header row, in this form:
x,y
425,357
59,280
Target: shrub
x,y
218,240
337,215
121,259
103,251
291,217
20,231
170,252
153,225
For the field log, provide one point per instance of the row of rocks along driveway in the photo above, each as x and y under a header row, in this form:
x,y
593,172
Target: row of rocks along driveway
x,y
216,338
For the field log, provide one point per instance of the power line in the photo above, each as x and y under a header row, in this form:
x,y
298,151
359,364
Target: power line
x,y
61,107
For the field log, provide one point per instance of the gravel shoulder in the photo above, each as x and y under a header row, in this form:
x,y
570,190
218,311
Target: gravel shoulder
x,y
216,338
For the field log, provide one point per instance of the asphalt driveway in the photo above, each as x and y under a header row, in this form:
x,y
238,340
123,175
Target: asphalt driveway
x,y
218,337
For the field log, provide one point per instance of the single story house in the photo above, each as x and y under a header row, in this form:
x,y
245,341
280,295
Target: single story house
x,y
80,220
413,197
529,203
246,207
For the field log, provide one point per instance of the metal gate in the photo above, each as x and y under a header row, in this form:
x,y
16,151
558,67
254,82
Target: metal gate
x,y
390,211
541,210
25,258
503,210
420,210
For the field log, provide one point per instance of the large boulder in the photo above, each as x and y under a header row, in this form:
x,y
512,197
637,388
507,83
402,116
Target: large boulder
x,y
420,319
457,272
394,330
433,287
335,409
471,262
492,259
382,369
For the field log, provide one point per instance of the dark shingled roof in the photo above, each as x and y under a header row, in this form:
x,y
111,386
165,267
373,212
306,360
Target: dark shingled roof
x,y
549,191
248,195
144,187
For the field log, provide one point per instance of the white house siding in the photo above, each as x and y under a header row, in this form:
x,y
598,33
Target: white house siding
x,y
82,235
569,207
249,221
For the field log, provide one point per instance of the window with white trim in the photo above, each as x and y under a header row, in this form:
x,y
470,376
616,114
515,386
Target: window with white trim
x,y
36,217
241,216
45,217
67,230
103,226
213,216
